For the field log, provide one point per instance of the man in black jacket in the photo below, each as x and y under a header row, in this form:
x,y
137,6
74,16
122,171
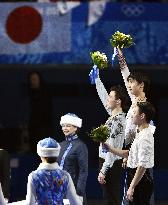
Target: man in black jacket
x,y
5,172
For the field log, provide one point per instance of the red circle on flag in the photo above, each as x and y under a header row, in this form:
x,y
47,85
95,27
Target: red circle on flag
x,y
24,24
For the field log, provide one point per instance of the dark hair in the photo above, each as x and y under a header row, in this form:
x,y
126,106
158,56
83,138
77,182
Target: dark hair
x,y
78,130
120,93
148,109
51,160
140,78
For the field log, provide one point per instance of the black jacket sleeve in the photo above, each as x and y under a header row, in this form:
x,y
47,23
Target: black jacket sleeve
x,y
83,168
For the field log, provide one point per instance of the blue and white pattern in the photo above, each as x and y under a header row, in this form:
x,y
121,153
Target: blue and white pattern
x,y
93,75
64,156
149,33
50,186
69,139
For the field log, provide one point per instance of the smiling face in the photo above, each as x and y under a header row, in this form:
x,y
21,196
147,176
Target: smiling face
x,y
68,129
112,101
134,87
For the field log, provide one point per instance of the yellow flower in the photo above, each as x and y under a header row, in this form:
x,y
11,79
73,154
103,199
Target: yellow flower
x,y
100,134
99,59
121,40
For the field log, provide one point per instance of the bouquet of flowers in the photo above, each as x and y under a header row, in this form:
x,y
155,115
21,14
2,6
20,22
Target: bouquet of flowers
x,y
121,40
100,134
99,59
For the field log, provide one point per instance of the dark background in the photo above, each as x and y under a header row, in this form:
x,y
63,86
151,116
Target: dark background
x,y
72,92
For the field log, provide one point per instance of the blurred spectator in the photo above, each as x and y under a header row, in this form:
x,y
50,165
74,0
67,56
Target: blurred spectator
x,y
18,0
40,122
122,1
140,1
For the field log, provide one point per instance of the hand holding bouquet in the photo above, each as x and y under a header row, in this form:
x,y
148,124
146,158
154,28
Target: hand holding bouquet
x,y
100,134
99,59
121,40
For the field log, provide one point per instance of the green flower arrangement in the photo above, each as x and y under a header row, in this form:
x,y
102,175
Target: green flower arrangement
x,y
121,40
99,59
100,134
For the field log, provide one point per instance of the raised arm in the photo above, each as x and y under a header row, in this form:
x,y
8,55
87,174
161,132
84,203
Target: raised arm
x,y
102,93
124,70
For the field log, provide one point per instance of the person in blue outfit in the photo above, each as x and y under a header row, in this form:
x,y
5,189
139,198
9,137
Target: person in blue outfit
x,y
49,184
73,155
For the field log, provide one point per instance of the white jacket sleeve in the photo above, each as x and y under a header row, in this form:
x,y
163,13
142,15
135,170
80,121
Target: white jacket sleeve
x,y
71,193
102,93
23,202
109,161
2,200
124,71
30,197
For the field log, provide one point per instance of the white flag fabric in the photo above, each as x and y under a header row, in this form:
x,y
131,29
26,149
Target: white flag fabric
x,y
96,10
34,28
63,6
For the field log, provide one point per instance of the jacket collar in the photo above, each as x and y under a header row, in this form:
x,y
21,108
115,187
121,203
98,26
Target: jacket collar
x,y
45,165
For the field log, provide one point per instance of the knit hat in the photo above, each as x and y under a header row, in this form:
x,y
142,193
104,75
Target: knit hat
x,y
48,147
71,119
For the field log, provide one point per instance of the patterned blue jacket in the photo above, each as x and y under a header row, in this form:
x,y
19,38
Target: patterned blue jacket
x,y
50,186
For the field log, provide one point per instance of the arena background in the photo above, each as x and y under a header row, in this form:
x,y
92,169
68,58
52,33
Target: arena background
x,y
65,63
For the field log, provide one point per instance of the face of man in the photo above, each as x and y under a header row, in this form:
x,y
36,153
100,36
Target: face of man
x,y
137,116
68,129
111,100
134,87
35,80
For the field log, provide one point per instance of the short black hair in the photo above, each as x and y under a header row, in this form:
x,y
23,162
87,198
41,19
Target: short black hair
x,y
51,160
140,78
120,93
148,109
